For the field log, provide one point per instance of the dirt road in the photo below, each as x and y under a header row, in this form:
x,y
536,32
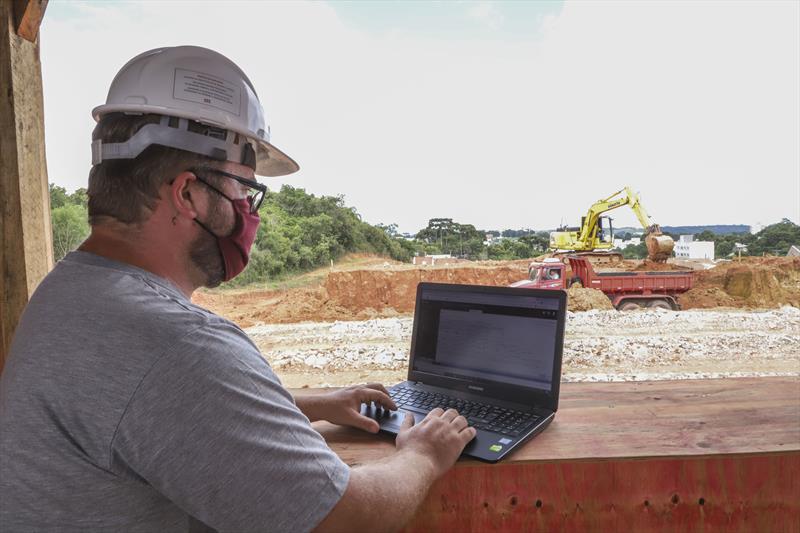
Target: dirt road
x,y
599,346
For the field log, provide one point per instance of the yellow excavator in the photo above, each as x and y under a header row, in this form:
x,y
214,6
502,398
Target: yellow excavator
x,y
596,232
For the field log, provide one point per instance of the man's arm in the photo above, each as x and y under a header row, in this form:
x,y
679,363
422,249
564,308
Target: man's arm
x,y
383,496
343,406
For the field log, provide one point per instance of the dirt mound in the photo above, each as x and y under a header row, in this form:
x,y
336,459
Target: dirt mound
x,y
651,266
751,283
581,299
397,289
353,294
385,290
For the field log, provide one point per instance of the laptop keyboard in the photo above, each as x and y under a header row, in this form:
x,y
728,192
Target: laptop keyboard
x,y
479,415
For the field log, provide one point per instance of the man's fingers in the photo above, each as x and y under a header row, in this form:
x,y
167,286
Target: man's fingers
x,y
467,434
408,422
459,422
434,413
377,386
371,395
366,423
450,415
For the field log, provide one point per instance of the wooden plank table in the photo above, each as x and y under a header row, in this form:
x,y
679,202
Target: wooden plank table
x,y
692,455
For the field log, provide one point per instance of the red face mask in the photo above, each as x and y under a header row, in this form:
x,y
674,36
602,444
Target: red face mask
x,y
235,248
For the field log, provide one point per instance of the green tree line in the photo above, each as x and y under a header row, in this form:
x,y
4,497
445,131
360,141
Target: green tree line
x,y
298,232
775,239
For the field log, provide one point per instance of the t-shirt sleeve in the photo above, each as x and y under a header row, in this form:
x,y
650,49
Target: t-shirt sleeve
x,y
211,428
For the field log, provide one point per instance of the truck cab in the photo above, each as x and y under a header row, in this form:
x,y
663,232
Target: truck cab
x,y
547,274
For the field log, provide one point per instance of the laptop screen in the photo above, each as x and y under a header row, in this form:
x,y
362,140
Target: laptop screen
x,y
487,337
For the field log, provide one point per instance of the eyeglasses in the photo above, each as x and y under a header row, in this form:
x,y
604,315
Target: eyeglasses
x,y
255,193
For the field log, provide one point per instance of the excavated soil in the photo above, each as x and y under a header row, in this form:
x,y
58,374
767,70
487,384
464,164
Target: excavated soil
x,y
762,282
581,299
388,290
644,266
396,289
353,324
384,291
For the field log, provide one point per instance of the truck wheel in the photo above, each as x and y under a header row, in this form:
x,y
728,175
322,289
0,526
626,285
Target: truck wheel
x,y
659,304
576,282
629,306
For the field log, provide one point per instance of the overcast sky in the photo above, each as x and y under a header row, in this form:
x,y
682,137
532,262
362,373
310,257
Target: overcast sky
x,y
498,114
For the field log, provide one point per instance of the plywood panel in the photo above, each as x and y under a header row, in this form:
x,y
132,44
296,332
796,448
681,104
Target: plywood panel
x,y
725,494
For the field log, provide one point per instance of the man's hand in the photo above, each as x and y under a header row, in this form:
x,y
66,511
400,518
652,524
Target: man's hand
x,y
440,437
384,495
343,406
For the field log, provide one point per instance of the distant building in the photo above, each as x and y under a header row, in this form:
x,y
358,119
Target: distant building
x,y
633,241
794,251
430,260
491,238
688,248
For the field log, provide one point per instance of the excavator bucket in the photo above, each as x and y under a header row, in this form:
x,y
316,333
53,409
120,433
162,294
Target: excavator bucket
x,y
659,247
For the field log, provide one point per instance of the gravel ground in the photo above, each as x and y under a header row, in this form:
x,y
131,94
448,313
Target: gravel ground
x,y
599,346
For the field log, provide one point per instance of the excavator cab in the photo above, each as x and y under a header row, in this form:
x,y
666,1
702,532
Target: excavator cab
x,y
605,230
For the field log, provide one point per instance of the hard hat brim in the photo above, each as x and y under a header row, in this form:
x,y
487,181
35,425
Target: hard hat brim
x,y
272,162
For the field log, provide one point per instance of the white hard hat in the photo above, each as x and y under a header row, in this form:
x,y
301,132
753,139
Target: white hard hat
x,y
190,83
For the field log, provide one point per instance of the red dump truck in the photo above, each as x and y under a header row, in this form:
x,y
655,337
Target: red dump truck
x,y
626,290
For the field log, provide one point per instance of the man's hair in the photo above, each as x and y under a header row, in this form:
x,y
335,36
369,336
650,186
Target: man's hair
x,y
127,189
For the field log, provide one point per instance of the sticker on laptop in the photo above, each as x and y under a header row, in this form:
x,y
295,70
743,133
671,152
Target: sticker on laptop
x,y
495,448
504,441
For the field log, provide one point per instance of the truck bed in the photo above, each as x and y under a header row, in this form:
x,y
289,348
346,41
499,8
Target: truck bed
x,y
640,283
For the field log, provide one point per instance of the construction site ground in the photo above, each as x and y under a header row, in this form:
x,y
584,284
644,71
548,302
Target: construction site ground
x,y
352,323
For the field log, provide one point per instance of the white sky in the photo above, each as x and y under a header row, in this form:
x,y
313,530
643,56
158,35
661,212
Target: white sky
x,y
695,105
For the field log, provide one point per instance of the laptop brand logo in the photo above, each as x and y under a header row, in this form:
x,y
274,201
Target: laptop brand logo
x,y
475,387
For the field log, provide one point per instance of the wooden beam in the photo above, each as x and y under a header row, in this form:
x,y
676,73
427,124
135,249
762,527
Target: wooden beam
x,y
640,420
28,16
26,254
695,455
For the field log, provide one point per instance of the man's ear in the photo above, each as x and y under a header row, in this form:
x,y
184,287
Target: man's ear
x,y
180,195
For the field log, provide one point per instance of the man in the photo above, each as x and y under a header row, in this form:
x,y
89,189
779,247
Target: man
x,y
126,407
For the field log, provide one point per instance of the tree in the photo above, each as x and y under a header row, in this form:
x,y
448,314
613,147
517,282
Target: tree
x,y
58,196
70,228
300,232
775,239
444,236
634,251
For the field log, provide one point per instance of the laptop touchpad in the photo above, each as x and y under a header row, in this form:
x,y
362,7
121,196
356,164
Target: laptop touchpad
x,y
395,418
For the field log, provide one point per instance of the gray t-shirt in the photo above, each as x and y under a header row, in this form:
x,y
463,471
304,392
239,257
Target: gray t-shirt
x,y
125,407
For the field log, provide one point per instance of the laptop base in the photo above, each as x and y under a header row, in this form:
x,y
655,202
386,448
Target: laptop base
x,y
488,446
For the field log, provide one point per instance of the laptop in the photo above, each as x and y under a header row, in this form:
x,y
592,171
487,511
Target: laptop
x,y
492,353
